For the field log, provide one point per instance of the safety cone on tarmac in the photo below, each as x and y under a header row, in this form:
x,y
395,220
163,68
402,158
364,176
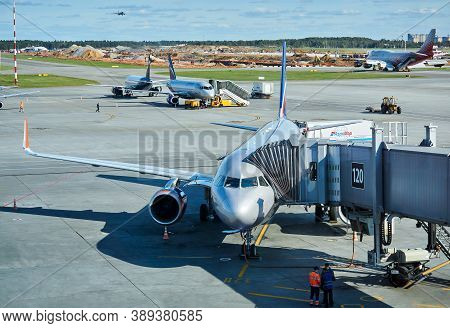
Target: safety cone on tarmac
x,y
15,205
166,234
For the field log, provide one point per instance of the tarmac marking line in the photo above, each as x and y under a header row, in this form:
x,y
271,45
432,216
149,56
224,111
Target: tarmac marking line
x,y
243,270
261,234
369,298
429,306
278,297
292,288
447,288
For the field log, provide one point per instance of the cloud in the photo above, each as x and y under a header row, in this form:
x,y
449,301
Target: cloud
x,y
263,12
340,12
419,11
40,4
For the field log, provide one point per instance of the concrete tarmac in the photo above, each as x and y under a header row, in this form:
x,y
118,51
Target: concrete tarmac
x,y
82,236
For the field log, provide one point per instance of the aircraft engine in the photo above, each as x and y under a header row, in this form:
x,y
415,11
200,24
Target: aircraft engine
x,y
167,205
173,100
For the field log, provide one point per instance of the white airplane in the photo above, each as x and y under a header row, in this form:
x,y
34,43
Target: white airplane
x,y
4,96
187,89
136,85
249,186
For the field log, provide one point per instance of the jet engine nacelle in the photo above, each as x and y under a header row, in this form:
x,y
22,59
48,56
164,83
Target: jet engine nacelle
x,y
167,205
173,100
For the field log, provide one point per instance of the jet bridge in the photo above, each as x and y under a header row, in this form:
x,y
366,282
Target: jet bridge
x,y
374,180
378,181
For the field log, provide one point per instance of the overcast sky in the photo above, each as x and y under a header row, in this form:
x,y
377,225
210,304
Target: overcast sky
x,y
220,20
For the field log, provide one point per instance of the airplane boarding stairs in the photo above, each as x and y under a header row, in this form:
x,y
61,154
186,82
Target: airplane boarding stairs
x,y
231,90
442,238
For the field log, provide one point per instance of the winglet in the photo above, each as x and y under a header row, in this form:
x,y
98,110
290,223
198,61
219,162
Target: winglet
x,y
26,142
282,109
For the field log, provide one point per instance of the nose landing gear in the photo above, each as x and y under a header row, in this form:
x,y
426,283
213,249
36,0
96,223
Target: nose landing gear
x,y
249,251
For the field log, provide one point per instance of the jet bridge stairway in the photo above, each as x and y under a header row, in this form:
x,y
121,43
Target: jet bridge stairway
x,y
442,237
231,90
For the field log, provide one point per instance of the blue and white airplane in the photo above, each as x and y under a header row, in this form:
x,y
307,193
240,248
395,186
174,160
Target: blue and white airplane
x,y
136,85
250,184
400,60
187,89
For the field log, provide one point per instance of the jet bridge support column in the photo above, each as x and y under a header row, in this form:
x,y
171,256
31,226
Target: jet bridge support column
x,y
377,189
430,134
430,141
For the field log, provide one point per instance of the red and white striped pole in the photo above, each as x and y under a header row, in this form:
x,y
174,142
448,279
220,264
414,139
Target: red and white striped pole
x,y
15,44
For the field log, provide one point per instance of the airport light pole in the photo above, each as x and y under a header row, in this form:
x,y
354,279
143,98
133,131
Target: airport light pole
x,y
15,43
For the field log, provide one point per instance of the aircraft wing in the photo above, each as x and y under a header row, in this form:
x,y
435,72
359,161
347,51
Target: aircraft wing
x,y
331,125
18,94
238,126
197,178
6,88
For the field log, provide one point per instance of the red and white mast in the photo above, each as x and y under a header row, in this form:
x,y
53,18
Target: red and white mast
x,y
15,44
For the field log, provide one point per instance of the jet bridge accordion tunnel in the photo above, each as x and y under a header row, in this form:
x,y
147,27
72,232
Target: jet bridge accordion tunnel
x,y
375,180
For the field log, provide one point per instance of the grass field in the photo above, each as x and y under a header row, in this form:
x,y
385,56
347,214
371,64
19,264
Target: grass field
x,y
78,62
424,69
36,81
253,75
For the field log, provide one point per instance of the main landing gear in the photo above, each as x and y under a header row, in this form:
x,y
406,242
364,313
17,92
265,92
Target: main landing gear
x,y
248,248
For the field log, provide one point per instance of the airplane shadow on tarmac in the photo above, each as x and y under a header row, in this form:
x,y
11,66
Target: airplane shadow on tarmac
x,y
279,279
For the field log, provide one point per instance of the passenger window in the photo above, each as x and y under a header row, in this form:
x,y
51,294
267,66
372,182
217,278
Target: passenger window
x,y
232,182
263,182
249,182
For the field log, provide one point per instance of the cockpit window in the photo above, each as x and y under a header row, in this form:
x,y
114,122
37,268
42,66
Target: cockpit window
x,y
206,87
263,182
232,182
220,181
249,182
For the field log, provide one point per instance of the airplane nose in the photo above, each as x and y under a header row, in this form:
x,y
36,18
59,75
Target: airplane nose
x,y
239,210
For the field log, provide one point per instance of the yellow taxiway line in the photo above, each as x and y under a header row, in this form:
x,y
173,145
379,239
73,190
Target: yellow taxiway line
x,y
279,297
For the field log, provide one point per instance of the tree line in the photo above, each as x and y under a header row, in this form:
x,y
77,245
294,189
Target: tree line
x,y
313,42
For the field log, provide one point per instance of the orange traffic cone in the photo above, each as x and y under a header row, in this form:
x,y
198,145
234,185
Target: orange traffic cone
x,y
166,234
15,205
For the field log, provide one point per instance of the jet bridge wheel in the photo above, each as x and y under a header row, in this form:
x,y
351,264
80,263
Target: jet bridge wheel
x,y
1,105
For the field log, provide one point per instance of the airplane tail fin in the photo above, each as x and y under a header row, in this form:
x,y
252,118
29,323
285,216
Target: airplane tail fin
x,y
147,74
173,75
427,46
282,110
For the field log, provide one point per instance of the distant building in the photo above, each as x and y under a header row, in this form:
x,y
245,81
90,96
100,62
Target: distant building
x,y
420,38
34,49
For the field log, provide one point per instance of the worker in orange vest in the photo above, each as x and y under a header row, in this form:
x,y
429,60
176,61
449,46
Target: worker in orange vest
x,y
314,283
